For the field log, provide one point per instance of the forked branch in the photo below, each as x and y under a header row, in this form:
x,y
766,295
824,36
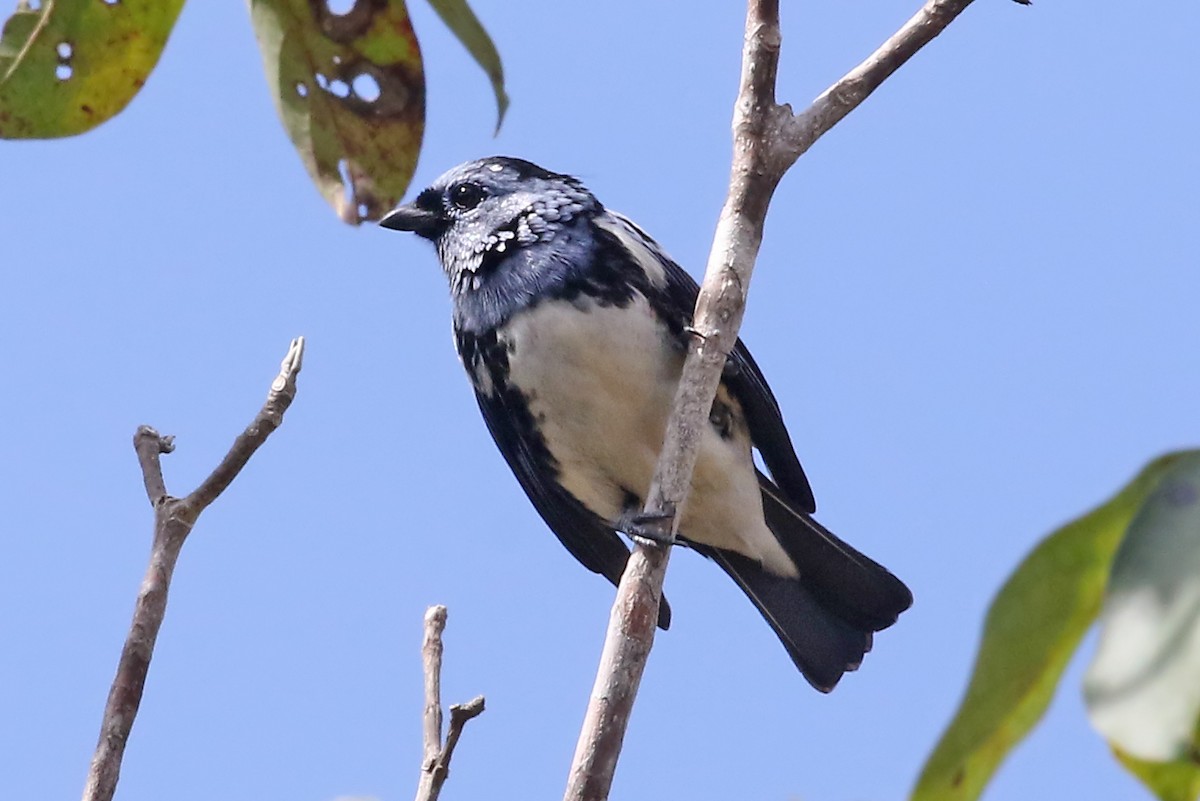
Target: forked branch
x,y
435,766
767,140
173,521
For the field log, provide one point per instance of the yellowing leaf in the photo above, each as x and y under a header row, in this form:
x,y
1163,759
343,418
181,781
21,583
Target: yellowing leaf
x,y
69,65
350,90
1033,627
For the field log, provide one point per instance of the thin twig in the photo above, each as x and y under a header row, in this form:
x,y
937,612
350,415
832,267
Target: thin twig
x,y
173,521
459,715
435,765
149,445
805,128
283,392
767,140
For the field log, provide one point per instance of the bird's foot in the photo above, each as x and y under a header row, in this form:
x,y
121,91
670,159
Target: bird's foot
x,y
651,528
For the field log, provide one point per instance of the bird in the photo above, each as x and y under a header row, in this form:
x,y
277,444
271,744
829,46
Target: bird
x,y
573,325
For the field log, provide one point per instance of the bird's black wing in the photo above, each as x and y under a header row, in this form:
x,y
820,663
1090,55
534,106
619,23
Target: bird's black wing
x,y
742,375
767,430
590,539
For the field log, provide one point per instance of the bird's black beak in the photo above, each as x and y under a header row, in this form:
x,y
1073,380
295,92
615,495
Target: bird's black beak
x,y
410,217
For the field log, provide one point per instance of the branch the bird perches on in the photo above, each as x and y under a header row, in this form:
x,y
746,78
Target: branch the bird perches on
x,y
767,140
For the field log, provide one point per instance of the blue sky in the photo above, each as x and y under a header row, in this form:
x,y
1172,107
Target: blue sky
x,y
975,300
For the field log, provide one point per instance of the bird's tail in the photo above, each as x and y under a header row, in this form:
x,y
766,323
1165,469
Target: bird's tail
x,y
848,583
825,618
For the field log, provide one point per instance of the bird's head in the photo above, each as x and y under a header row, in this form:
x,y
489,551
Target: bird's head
x,y
481,213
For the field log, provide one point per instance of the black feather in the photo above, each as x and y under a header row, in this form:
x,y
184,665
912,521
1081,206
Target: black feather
x,y
825,618
849,584
675,304
588,537
819,642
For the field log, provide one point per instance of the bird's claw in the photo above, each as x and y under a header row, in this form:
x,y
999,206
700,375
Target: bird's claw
x,y
651,528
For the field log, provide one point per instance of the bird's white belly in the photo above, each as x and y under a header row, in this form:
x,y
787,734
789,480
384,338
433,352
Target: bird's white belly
x,y
599,381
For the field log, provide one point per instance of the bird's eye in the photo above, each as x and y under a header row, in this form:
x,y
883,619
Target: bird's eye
x,y
467,196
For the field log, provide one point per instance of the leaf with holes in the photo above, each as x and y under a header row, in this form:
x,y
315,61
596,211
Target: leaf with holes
x,y
68,65
465,25
1142,688
1032,629
350,90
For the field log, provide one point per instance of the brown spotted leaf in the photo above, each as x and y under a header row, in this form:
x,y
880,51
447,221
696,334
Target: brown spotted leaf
x,y
350,90
69,65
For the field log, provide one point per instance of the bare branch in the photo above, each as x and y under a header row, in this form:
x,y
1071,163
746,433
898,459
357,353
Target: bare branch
x,y
435,766
125,695
149,445
173,521
767,140
459,715
283,391
855,86
431,657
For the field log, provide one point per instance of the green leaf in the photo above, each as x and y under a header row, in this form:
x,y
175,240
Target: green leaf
x,y
462,21
350,89
70,65
1143,686
1032,628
